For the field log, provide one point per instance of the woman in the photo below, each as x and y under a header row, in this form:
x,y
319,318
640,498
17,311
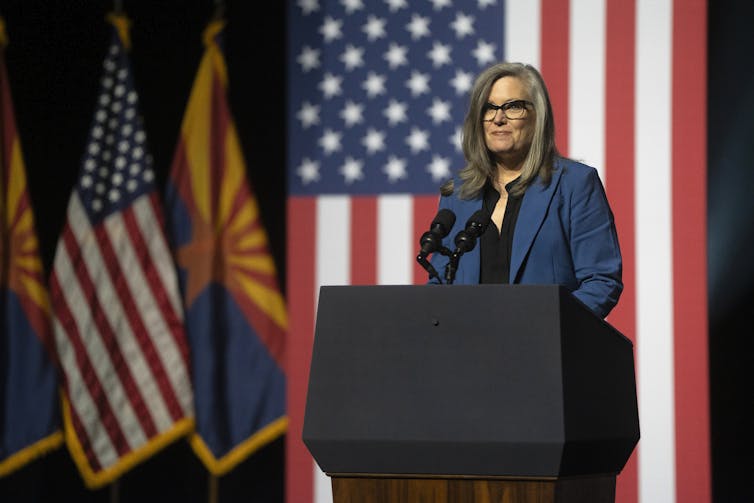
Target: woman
x,y
550,219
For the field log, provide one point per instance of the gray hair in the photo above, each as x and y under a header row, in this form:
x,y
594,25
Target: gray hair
x,y
481,164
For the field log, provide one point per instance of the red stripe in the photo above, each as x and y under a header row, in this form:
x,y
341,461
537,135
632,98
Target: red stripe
x,y
363,240
109,338
554,64
689,251
425,208
619,180
95,388
175,328
302,231
83,439
68,325
172,318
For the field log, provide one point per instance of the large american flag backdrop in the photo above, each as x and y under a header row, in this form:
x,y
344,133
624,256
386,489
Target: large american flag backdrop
x,y
376,93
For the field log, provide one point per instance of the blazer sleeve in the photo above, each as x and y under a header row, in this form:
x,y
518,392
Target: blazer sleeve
x,y
594,246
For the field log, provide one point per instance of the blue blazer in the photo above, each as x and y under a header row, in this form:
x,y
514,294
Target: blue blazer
x,y
565,234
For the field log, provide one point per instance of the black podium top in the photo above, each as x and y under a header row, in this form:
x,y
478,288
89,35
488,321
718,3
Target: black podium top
x,y
510,380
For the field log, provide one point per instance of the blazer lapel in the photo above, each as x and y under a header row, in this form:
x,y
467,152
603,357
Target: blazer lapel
x,y
530,218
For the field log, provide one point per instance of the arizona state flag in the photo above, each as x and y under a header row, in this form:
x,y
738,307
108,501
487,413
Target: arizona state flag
x,y
29,408
235,315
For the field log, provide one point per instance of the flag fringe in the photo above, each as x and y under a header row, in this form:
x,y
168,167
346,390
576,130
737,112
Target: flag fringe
x,y
96,480
30,453
223,465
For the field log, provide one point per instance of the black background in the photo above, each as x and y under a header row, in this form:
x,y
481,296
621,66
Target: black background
x,y
55,53
54,62
730,243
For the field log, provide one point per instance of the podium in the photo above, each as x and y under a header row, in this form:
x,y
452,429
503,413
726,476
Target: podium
x,y
479,393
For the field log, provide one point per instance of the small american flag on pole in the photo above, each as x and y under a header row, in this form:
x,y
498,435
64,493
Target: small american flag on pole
x,y
118,320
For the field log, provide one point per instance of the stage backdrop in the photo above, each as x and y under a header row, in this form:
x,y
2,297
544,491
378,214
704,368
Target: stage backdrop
x,y
376,94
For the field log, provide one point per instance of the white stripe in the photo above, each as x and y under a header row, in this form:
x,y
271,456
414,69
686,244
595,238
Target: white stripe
x,y
333,241
113,311
148,311
523,22
333,267
159,251
160,333
394,239
654,299
586,83
322,487
79,397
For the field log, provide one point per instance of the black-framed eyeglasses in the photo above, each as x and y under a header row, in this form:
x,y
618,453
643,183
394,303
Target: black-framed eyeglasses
x,y
516,109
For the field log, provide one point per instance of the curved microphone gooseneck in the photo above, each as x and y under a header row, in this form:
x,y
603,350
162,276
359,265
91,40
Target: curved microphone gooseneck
x,y
431,241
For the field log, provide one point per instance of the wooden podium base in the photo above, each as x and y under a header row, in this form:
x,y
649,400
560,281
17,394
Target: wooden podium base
x,y
404,489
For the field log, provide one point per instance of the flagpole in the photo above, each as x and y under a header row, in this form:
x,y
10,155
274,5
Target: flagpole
x,y
115,491
4,236
213,488
219,12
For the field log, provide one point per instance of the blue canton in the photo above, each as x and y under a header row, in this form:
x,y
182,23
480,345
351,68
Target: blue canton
x,y
117,169
378,90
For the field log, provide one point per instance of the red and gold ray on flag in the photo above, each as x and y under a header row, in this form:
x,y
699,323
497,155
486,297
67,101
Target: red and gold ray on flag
x,y
29,399
235,313
118,321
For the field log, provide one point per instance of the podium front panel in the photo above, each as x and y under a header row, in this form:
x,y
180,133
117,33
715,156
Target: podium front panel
x,y
440,380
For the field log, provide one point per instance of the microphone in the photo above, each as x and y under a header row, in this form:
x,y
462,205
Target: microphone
x,y
465,241
431,241
443,222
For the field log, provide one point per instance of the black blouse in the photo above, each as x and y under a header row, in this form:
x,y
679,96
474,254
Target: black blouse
x,y
495,248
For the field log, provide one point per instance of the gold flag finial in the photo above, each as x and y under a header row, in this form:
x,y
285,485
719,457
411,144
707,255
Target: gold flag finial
x,y
211,31
123,25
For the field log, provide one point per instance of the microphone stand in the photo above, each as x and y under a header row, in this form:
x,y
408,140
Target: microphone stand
x,y
422,259
452,267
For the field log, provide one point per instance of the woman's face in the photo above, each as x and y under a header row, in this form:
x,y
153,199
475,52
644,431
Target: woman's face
x,y
509,139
